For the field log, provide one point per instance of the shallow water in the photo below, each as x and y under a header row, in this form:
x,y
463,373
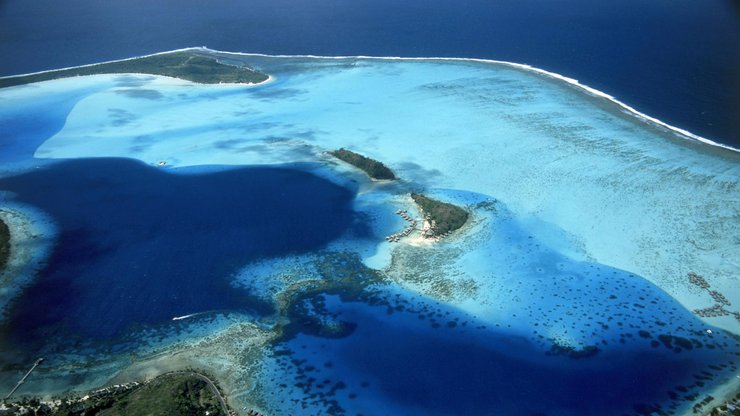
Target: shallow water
x,y
572,270
139,245
527,322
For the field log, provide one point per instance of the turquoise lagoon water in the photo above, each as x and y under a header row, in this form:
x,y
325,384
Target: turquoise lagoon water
x,y
568,285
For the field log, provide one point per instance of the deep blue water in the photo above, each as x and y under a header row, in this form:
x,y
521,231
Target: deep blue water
x,y
139,245
400,361
677,60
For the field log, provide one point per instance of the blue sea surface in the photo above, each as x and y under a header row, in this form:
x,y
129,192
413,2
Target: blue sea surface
x,y
675,60
139,245
419,358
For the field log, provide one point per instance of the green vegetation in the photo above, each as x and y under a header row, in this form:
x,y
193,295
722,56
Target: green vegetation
x,y
4,244
170,394
175,394
443,217
373,168
190,66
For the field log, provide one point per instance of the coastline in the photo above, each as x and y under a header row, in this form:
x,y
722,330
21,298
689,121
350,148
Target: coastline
x,y
215,353
723,393
521,66
270,79
157,72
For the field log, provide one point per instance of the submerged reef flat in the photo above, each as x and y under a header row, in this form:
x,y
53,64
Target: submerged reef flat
x,y
210,229
187,65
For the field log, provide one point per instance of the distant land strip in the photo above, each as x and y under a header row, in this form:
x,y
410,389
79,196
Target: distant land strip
x,y
187,65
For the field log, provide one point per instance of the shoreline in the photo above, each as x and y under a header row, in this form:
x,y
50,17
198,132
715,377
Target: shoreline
x,y
214,353
136,58
521,66
102,399
269,79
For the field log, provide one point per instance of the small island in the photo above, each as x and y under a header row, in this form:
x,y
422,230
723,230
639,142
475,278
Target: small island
x,y
4,244
442,218
187,65
373,168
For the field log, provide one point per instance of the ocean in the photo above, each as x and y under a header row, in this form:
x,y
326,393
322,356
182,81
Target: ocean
x,y
677,61
139,246
205,225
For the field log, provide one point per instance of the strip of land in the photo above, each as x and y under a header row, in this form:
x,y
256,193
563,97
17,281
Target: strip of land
x,y
187,65
178,393
373,168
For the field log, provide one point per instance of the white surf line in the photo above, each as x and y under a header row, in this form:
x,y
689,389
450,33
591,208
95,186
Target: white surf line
x,y
574,82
